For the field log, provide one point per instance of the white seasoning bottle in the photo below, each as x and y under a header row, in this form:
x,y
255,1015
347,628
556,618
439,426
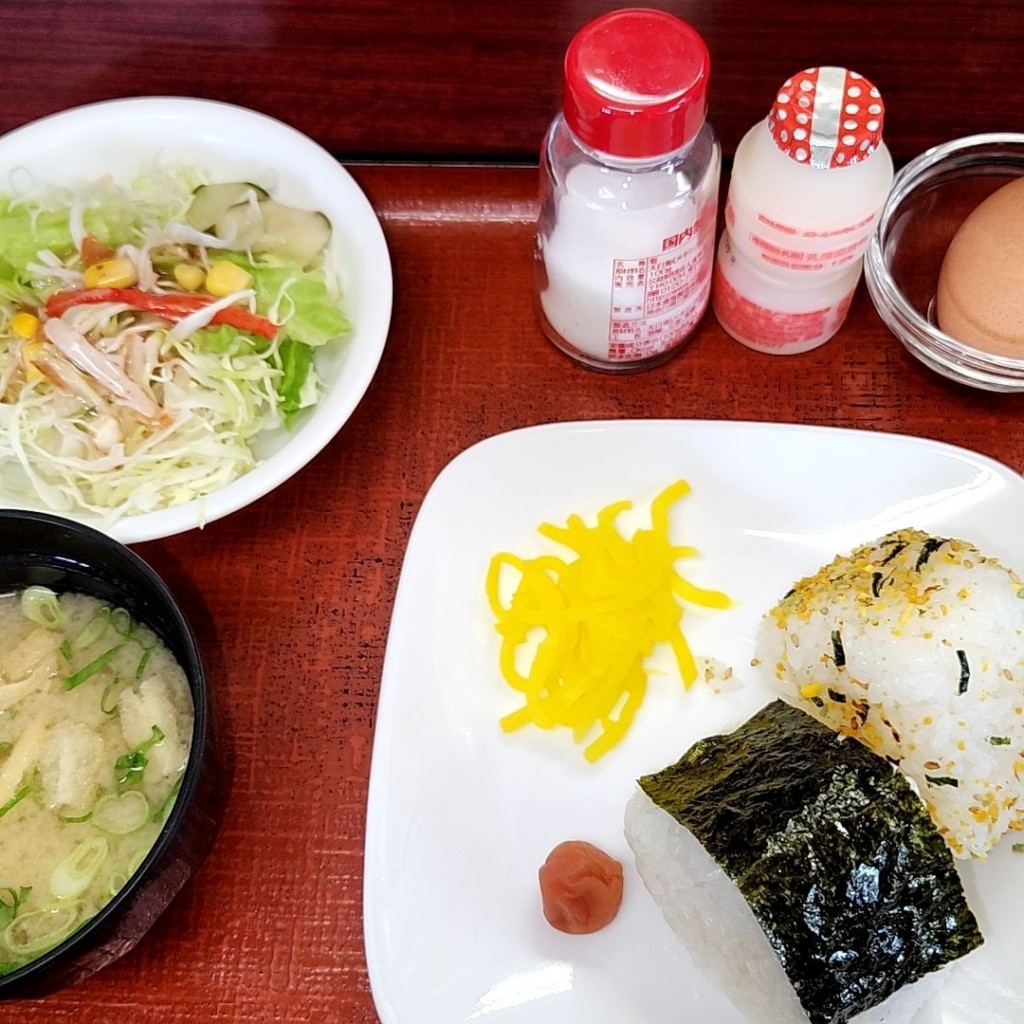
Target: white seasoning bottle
x,y
782,317
808,184
629,193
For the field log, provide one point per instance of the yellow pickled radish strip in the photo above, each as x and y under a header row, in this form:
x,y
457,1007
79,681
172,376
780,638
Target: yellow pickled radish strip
x,y
662,505
599,615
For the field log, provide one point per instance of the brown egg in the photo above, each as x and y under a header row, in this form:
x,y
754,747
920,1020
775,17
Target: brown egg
x,y
980,298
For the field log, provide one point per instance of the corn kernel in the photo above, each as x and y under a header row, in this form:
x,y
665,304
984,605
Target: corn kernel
x,y
29,351
25,325
190,276
116,273
810,690
226,277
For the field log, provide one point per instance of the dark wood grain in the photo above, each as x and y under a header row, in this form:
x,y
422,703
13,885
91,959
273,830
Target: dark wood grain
x,y
456,78
292,597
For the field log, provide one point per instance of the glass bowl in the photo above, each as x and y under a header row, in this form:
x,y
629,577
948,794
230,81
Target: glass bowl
x,y
45,550
930,198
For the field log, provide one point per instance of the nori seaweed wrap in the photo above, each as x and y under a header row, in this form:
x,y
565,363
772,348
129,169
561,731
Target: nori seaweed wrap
x,y
834,853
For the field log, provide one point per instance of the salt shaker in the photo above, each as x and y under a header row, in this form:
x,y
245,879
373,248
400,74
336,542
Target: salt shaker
x,y
807,187
629,193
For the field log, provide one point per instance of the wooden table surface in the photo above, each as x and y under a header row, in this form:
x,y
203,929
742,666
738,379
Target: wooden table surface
x,y
292,597
462,79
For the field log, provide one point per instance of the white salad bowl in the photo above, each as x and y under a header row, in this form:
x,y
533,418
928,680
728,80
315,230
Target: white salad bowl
x,y
120,138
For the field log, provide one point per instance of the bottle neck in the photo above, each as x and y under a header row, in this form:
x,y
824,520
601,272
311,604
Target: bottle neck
x,y
632,164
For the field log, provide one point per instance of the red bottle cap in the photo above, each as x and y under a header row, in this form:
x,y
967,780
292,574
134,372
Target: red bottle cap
x,y
827,117
636,83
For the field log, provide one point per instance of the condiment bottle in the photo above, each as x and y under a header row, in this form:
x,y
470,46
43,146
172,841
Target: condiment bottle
x,y
629,193
807,186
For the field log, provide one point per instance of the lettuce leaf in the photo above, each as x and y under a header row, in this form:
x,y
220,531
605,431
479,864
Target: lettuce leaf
x,y
14,288
312,313
316,319
24,232
222,339
296,362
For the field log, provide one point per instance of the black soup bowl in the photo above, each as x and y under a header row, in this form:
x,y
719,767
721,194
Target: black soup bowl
x,y
38,549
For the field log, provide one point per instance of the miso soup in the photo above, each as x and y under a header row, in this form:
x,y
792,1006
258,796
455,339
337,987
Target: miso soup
x,y
95,731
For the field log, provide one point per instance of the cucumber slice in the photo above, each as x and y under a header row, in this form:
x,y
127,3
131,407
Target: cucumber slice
x,y
293,235
211,202
240,225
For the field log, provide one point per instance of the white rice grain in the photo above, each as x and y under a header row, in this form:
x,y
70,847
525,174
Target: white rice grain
x,y
713,921
915,646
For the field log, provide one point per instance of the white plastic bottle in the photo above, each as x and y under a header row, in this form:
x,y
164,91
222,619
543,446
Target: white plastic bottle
x,y
808,184
629,193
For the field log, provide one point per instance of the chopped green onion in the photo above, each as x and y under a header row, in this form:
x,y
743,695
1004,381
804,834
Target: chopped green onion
x,y
65,650
94,628
121,622
42,606
16,799
136,862
104,707
165,808
92,668
128,768
71,877
999,741
76,820
10,901
40,930
144,637
118,880
122,813
142,663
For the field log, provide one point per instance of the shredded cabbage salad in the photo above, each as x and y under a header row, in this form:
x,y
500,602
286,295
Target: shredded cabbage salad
x,y
124,390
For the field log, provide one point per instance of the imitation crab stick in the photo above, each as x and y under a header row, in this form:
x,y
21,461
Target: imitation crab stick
x,y
172,306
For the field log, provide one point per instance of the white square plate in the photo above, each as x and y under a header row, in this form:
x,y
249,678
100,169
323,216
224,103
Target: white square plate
x,y
460,815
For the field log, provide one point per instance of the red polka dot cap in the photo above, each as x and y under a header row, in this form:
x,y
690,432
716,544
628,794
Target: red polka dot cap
x,y
827,117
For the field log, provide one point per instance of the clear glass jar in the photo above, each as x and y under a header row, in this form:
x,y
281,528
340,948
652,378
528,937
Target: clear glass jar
x,y
629,194
931,197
